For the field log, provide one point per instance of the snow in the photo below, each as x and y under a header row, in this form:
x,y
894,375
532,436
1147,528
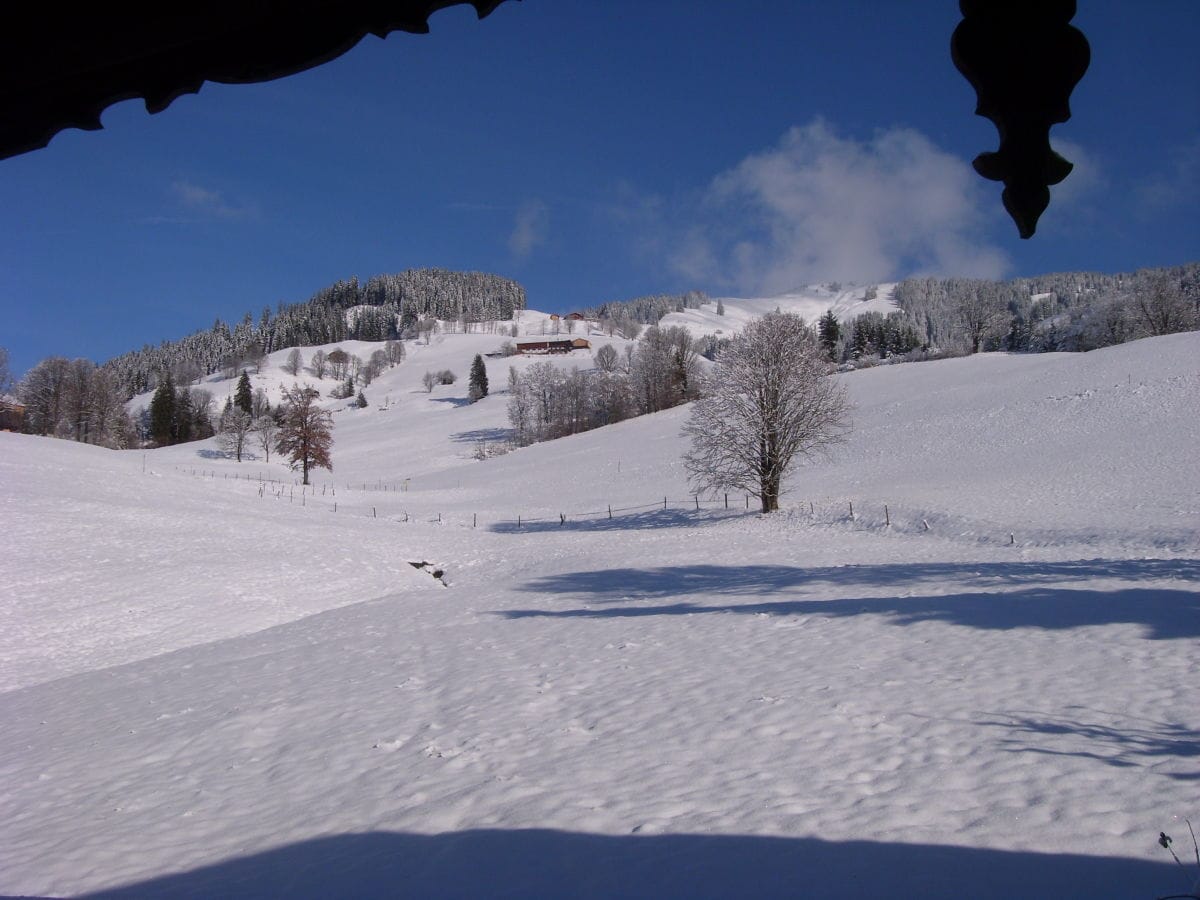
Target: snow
x,y
211,692
809,303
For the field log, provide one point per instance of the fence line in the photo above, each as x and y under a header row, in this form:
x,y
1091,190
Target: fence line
x,y
875,515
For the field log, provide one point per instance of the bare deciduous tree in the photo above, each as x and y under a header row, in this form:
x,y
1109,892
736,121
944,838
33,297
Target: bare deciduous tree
x,y
769,403
339,363
395,352
294,362
305,431
6,379
260,405
606,358
235,428
77,400
374,366
1161,308
266,429
664,367
319,363
982,313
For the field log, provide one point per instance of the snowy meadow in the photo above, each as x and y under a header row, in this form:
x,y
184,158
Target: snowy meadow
x,y
981,682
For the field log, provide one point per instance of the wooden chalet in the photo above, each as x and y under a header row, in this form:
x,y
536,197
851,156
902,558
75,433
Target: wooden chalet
x,y
552,345
12,415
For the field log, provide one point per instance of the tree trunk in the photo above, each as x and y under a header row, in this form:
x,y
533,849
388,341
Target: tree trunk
x,y
769,494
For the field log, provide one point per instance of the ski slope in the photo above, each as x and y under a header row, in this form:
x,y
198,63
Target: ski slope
x,y
212,687
810,303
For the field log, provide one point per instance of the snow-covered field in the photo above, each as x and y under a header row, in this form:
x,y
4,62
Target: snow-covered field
x,y
212,688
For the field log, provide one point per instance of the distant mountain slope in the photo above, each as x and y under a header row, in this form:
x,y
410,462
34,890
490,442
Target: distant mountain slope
x,y
1069,311
1066,311
809,303
382,308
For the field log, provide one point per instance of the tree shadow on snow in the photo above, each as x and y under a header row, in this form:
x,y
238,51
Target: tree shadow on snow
x,y
453,401
486,435
538,863
1164,613
668,581
1133,743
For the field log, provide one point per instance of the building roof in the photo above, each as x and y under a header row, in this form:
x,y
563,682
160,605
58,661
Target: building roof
x,y
61,69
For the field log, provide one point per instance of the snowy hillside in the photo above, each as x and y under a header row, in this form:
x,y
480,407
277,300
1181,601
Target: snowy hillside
x,y
809,303
216,685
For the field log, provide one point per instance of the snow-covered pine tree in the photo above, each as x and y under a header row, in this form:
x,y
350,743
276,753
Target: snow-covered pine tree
x,y
830,331
243,396
478,387
162,412
184,416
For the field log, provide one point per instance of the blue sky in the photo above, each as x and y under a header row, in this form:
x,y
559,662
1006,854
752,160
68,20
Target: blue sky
x,y
594,151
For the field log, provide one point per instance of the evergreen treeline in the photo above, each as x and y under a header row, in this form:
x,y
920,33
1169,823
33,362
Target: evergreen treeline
x,y
646,310
177,414
874,334
1071,311
386,307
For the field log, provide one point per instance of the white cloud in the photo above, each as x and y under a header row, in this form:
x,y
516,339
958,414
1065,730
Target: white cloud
x,y
211,203
1086,179
819,207
529,228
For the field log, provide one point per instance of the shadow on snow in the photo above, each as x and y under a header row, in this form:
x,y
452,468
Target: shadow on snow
x,y
1131,745
538,863
1164,613
485,435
